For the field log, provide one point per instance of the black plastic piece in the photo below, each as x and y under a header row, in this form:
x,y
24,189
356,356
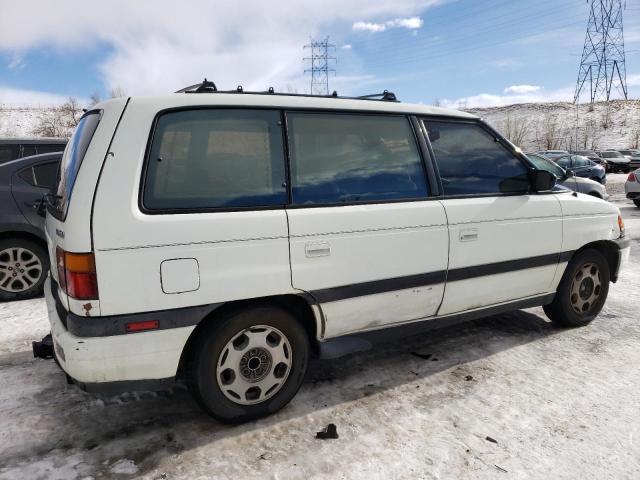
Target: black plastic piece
x,y
43,348
331,432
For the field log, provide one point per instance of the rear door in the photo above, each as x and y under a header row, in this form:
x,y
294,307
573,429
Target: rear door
x,y
581,166
367,241
504,241
29,186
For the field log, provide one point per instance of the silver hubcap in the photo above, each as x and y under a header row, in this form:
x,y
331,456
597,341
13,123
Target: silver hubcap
x,y
586,288
20,269
254,365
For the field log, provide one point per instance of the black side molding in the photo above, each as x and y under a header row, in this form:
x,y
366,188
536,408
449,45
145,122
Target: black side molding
x,y
340,346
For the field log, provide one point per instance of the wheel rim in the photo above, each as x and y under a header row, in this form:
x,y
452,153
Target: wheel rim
x,y
20,269
254,365
586,288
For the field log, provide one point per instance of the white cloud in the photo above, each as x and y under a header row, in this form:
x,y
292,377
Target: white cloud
x,y
30,98
16,62
369,27
346,47
540,95
522,89
410,23
152,47
633,80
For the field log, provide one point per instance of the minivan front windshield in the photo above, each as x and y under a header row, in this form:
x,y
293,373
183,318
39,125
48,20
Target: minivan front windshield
x,y
72,159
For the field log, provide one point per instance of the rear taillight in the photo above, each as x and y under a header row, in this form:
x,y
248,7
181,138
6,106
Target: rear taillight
x,y
631,177
77,274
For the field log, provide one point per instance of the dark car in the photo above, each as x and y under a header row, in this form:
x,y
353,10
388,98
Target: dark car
x,y
634,157
14,148
583,167
567,179
24,261
593,156
616,161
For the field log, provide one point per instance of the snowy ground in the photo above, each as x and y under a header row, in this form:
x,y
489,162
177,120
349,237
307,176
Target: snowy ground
x,y
556,404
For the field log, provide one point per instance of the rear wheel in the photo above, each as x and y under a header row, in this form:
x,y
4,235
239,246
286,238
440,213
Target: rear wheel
x,y
23,269
582,290
249,363
637,202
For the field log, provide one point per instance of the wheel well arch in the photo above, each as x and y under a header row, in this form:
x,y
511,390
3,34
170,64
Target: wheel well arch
x,y
609,250
301,306
9,234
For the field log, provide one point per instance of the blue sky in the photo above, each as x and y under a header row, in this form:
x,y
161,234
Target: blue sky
x,y
459,52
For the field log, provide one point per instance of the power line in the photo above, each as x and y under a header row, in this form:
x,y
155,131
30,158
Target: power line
x,y
602,66
320,65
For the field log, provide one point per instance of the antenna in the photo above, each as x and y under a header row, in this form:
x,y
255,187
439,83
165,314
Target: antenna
x,y
320,65
602,66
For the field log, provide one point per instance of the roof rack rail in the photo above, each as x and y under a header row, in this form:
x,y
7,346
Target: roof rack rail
x,y
386,95
209,87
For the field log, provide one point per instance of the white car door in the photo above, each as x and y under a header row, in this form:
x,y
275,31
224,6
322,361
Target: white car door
x,y
366,240
505,242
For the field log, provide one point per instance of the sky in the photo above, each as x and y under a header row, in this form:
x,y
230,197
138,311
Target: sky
x,y
459,53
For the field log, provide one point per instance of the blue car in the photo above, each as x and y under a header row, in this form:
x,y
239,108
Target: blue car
x,y
583,167
24,261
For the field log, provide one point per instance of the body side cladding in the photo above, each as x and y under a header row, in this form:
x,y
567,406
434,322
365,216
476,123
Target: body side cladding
x,y
352,343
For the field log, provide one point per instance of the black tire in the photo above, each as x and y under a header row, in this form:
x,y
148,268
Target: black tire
x,y
209,350
595,194
637,203
31,286
563,311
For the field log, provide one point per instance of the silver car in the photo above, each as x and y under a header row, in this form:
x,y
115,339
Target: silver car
x,y
632,187
567,179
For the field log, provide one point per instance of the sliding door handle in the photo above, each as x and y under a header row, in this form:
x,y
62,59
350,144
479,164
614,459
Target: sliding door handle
x,y
317,249
469,235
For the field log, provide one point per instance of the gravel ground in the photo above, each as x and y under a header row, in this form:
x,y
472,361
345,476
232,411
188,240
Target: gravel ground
x,y
508,396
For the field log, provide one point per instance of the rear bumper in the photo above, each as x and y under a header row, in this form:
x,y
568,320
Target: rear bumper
x,y
111,364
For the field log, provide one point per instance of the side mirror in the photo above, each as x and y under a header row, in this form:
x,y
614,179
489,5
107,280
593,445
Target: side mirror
x,y
569,174
542,181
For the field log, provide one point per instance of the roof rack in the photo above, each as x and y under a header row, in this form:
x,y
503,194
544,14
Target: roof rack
x,y
209,87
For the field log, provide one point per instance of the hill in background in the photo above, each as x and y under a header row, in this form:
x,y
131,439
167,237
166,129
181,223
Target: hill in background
x,y
532,126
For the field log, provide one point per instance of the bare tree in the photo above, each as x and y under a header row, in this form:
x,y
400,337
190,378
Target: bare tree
x,y
94,99
437,102
71,112
605,118
635,138
51,124
515,129
117,92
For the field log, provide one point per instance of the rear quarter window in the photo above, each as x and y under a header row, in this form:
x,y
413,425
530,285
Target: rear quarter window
x,y
215,158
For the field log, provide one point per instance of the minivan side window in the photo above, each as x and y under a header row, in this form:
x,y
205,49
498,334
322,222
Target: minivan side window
x,y
472,162
216,158
338,158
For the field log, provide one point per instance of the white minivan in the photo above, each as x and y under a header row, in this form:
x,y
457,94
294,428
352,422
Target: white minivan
x,y
222,238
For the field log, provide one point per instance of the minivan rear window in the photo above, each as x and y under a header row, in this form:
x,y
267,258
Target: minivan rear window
x,y
73,156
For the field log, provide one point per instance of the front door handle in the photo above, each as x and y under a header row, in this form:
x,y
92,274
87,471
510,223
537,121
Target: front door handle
x,y
469,235
317,249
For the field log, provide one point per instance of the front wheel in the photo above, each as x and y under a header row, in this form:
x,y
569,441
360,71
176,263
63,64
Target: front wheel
x,y
582,290
637,203
248,363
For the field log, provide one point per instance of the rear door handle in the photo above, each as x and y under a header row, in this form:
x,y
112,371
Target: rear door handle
x,y
317,249
469,235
